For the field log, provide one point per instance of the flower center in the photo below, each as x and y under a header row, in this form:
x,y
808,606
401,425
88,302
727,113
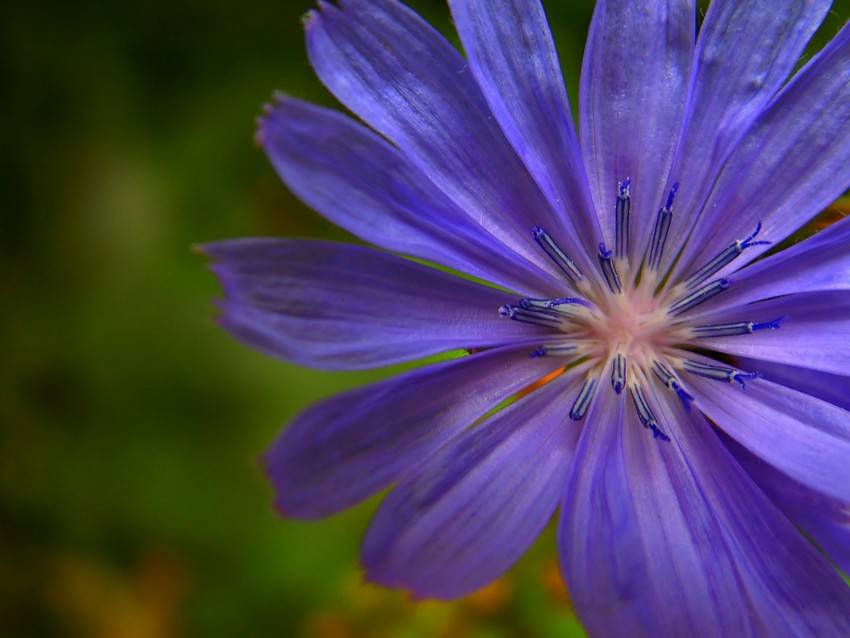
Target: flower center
x,y
627,322
643,331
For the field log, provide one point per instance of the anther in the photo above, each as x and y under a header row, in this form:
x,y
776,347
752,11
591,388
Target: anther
x,y
621,247
532,316
555,350
698,296
609,270
734,329
571,306
659,233
583,400
669,379
558,256
647,418
724,258
618,373
719,373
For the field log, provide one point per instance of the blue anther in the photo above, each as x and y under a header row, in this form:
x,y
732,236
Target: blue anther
x,y
558,256
739,377
768,325
672,195
684,397
724,258
623,208
659,233
583,400
699,296
748,241
531,315
644,413
647,418
670,380
609,270
662,372
554,350
719,373
570,306
658,434
721,330
734,329
618,373
578,301
537,305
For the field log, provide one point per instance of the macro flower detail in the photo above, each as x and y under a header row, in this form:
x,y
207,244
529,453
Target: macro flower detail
x,y
623,321
634,343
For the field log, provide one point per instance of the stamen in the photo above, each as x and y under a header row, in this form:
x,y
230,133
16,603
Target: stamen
x,y
609,270
724,258
624,206
618,373
659,233
570,300
583,400
669,379
532,315
647,418
734,329
571,306
696,298
558,256
554,350
719,373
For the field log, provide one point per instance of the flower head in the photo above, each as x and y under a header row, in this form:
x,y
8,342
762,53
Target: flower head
x,y
641,355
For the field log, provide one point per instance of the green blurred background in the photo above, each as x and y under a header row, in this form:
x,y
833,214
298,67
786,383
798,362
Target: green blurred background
x,y
131,500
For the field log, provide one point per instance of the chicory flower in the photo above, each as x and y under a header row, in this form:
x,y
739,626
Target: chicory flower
x,y
639,354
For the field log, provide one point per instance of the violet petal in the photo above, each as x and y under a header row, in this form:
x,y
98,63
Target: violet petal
x,y
473,508
360,182
346,307
633,90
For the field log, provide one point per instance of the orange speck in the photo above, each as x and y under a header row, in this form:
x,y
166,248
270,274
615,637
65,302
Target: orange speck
x,y
539,383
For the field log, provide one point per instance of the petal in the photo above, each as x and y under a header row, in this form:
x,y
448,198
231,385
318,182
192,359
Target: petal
x,y
360,182
401,77
823,385
626,541
338,306
633,88
819,263
823,519
815,332
806,438
790,165
474,508
349,447
673,539
513,58
728,92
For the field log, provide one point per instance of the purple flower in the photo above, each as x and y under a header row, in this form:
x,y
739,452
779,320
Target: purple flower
x,y
637,361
